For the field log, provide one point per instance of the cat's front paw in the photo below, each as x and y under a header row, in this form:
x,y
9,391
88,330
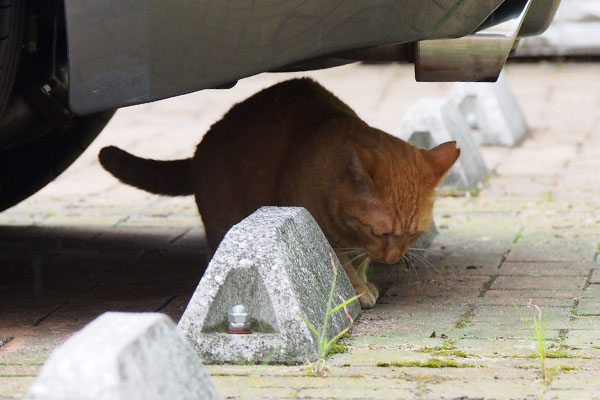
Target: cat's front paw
x,y
369,295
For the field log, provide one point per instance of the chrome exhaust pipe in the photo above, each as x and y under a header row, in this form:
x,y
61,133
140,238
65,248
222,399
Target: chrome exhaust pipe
x,y
476,57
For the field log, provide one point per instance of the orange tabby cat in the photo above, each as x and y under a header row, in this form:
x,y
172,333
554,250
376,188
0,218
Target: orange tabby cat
x,y
296,144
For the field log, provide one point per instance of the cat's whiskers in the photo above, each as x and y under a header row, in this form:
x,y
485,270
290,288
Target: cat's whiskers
x,y
352,252
429,250
362,268
420,257
363,254
409,263
346,250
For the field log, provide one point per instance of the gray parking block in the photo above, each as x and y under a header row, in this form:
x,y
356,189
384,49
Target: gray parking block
x,y
432,121
124,356
491,111
276,262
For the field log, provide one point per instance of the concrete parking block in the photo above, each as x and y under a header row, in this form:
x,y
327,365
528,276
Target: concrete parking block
x,y
492,112
124,356
432,121
277,263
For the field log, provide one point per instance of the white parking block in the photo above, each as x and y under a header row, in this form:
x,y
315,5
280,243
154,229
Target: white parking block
x,y
124,356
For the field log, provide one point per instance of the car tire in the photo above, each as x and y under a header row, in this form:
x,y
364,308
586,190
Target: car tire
x,y
12,16
47,136
26,169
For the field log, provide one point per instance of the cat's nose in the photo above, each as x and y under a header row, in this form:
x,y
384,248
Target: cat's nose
x,y
392,257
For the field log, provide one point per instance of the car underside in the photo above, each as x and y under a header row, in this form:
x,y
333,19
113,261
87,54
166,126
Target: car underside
x,y
65,66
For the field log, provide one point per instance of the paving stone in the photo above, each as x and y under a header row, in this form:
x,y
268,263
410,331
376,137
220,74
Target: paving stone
x,y
140,238
15,370
571,394
228,389
124,356
539,282
590,301
589,339
584,380
534,294
522,315
536,250
444,290
543,269
414,322
496,347
505,332
520,298
276,262
27,348
381,392
595,276
432,121
373,356
15,386
590,322
474,389
492,112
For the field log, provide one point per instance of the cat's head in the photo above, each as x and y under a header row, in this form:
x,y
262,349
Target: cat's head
x,y
387,196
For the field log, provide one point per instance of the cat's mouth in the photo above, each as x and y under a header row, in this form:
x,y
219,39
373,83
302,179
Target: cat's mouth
x,y
390,258
388,261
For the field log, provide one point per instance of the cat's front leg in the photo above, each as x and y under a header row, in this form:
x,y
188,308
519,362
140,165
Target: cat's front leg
x,y
368,290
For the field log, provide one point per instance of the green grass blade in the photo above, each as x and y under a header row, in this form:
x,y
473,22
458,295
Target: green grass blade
x,y
335,339
539,329
527,324
329,301
345,303
310,326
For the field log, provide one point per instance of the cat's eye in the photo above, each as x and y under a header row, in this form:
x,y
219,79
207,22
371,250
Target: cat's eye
x,y
380,235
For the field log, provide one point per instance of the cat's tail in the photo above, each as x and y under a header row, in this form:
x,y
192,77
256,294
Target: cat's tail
x,y
171,178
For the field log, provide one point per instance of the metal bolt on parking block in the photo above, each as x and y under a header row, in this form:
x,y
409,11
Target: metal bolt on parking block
x,y
239,320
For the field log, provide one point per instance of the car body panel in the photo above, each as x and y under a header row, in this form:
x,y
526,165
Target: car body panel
x,y
124,52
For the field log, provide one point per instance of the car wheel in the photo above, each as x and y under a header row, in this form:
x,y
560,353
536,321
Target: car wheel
x,y
39,135
26,169
11,32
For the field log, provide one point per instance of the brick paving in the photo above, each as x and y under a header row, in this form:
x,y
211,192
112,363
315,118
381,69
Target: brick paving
x,y
86,244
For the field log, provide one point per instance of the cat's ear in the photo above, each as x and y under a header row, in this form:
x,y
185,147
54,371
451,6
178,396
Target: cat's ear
x,y
360,162
440,159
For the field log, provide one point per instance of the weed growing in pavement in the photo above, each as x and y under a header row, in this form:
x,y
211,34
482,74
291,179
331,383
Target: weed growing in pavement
x,y
431,363
554,369
319,367
547,197
465,319
537,333
553,354
447,349
518,237
340,345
